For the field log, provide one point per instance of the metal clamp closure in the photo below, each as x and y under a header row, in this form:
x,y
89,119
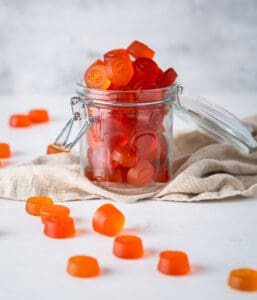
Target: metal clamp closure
x,y
77,107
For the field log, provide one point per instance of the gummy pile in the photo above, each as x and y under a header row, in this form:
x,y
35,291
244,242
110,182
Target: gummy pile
x,y
129,144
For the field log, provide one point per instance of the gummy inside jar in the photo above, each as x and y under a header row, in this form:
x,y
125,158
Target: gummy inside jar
x,y
128,145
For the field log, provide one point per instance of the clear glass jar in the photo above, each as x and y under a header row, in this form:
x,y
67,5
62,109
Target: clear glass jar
x,y
127,145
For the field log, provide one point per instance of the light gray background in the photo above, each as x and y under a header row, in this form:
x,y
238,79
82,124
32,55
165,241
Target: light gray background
x,y
46,45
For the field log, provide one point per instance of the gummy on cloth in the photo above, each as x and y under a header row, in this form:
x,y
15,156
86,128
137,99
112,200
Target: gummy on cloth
x,y
203,170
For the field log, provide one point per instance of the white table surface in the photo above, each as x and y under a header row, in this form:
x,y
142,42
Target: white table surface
x,y
217,235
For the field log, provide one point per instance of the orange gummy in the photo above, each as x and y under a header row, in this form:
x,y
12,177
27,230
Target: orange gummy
x,y
243,279
95,76
5,151
128,246
173,263
34,204
139,49
141,174
54,210
51,149
83,266
108,220
38,115
59,227
19,120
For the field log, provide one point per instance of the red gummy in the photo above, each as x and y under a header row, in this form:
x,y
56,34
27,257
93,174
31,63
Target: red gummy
x,y
20,120
141,175
143,143
119,67
5,151
124,157
167,78
139,49
145,69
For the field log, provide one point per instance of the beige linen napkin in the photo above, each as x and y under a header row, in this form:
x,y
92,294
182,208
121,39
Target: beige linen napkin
x,y
204,170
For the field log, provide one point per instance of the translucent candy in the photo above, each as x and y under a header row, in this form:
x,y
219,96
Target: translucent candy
x,y
53,211
108,220
243,279
59,227
19,120
34,204
139,49
128,247
39,115
173,263
83,266
5,151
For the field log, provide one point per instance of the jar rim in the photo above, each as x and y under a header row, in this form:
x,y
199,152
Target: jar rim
x,y
110,97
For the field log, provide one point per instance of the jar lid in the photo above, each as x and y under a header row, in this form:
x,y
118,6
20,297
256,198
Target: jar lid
x,y
217,121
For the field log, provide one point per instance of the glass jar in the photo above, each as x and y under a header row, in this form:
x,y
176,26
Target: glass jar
x,y
126,137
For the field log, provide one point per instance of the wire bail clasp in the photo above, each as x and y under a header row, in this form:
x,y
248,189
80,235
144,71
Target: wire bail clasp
x,y
77,106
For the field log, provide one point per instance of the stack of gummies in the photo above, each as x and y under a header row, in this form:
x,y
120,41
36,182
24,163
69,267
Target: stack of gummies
x,y
128,143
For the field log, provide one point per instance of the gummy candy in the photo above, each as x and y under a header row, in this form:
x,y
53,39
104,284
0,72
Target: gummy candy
x,y
59,227
5,151
146,69
39,115
124,156
139,49
141,175
167,78
19,120
128,247
108,220
95,76
119,67
53,150
83,266
35,203
173,263
54,210
243,279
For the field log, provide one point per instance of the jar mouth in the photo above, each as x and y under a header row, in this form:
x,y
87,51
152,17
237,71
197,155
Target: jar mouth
x,y
127,98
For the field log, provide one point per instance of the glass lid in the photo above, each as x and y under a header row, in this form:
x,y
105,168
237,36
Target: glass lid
x,y
217,121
